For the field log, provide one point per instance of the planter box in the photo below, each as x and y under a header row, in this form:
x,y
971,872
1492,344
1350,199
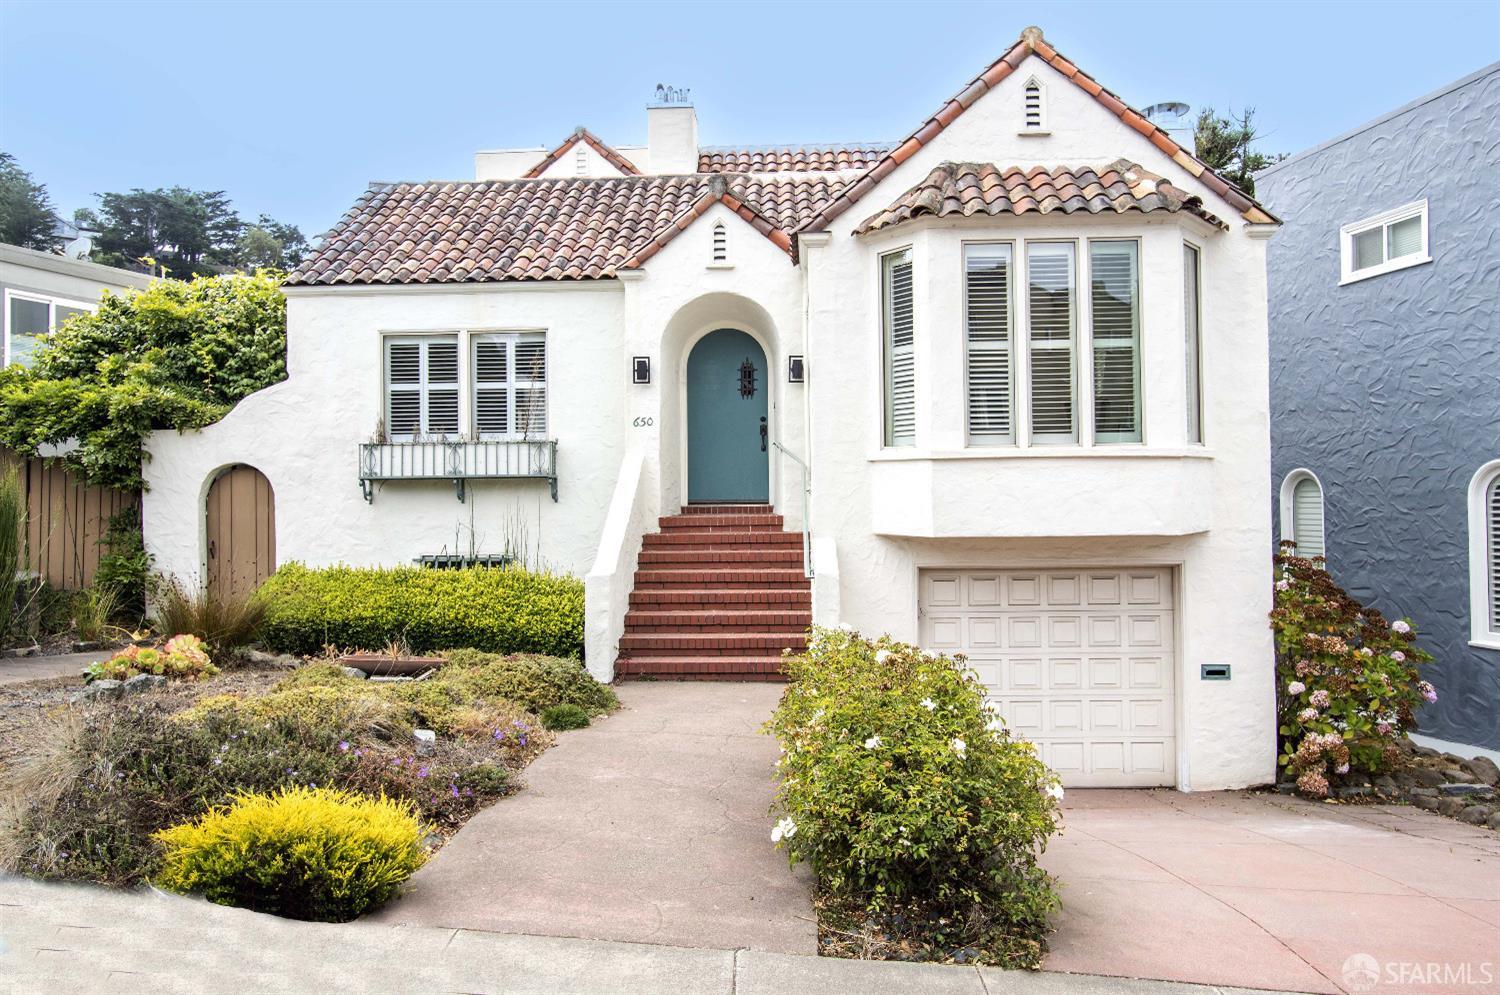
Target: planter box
x,y
385,665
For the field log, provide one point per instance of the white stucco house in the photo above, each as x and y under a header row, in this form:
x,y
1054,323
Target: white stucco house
x,y
1002,383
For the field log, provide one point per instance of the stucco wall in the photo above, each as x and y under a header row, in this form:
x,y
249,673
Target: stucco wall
x,y
1389,388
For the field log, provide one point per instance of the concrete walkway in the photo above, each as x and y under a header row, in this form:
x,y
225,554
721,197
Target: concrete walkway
x,y
652,826
1264,891
71,940
16,669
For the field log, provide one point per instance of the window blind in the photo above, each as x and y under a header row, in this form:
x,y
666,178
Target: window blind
x,y
510,385
900,399
987,321
421,387
1404,238
1114,312
1050,295
1307,517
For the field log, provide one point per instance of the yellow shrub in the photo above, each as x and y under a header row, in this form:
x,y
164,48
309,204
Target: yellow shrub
x,y
306,853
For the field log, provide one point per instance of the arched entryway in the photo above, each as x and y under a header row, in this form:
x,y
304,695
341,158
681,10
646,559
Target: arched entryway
x,y
241,529
727,389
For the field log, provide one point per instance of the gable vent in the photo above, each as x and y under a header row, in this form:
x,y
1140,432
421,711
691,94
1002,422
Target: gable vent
x,y
581,161
1032,101
721,243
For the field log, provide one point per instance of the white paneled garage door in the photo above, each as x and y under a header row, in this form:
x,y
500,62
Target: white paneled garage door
x,y
1079,661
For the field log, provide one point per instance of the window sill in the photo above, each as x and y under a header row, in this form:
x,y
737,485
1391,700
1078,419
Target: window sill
x,y
720,266
1123,451
1404,262
1486,643
1033,133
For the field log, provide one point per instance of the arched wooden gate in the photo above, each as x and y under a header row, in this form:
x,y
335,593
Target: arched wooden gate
x,y
241,528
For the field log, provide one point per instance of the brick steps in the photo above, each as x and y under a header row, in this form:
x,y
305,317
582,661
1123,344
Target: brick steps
x,y
720,592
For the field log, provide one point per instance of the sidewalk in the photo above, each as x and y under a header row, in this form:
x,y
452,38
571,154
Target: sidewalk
x,y
67,939
14,670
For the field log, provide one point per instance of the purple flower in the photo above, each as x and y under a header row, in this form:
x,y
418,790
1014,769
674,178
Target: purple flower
x,y
1398,656
1282,585
1428,691
1307,715
422,772
1400,626
344,745
1318,699
1296,688
455,790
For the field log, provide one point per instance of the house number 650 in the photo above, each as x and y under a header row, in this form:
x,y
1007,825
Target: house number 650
x,y
643,421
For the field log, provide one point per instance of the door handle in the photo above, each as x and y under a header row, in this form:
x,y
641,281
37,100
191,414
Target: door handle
x,y
762,434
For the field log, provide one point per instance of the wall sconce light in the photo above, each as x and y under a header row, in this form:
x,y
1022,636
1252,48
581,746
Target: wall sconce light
x,y
796,370
640,369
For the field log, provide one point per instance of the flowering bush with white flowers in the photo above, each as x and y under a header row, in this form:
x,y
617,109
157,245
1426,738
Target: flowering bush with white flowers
x,y
1347,680
920,816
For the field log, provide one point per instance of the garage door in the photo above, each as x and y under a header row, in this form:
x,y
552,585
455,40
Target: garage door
x,y
1078,661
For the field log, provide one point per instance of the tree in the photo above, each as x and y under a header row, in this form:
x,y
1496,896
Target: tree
x,y
26,215
269,244
1223,143
190,232
178,354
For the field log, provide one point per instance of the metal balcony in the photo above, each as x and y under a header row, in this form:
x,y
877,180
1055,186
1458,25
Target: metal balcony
x,y
509,459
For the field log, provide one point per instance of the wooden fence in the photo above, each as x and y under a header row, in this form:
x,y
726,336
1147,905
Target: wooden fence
x,y
65,520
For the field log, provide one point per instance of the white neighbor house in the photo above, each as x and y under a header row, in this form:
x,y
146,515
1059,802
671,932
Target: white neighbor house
x,y
1067,484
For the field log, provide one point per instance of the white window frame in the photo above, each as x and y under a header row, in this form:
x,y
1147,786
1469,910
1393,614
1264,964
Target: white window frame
x,y
1288,514
888,437
1137,357
1040,128
513,383
1083,414
422,387
1193,364
35,298
1484,536
1384,220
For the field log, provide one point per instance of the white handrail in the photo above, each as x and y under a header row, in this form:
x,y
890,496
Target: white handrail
x,y
807,563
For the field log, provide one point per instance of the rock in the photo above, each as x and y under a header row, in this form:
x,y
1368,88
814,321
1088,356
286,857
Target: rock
x,y
86,647
21,651
1476,815
1465,789
1405,746
1422,792
1428,802
1452,806
1451,759
1347,791
432,841
1424,751
1427,777
263,659
1459,776
143,682
354,672
1494,821
426,741
1286,787
1484,769
1385,785
99,689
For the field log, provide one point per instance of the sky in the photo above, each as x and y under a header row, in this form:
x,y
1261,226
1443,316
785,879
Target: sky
x,y
293,108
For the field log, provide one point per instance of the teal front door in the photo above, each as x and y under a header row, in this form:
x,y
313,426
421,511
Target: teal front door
x,y
727,382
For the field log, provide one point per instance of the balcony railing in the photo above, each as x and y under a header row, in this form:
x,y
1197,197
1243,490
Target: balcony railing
x,y
456,461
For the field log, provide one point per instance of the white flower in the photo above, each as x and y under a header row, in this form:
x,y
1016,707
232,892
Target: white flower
x,y
1398,656
845,626
883,656
995,725
872,743
1400,626
785,830
1341,769
1282,585
1366,651
928,704
1055,791
1296,687
959,746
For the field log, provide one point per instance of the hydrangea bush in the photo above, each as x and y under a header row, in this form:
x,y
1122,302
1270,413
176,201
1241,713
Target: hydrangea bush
x,y
1348,684
920,816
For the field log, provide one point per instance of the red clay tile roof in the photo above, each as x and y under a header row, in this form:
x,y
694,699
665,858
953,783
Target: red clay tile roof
x,y
1032,43
967,188
612,157
553,229
803,158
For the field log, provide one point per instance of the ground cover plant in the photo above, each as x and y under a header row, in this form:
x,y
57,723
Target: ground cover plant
x,y
183,656
1348,680
86,788
921,818
306,853
492,609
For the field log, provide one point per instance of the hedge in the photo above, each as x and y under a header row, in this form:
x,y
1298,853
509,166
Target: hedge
x,y
498,610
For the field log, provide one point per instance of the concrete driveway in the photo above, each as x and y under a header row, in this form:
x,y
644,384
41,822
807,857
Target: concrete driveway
x,y
1263,891
652,826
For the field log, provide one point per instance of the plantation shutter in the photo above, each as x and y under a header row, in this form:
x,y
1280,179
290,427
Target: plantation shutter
x,y
1191,325
1115,317
1493,508
531,386
442,387
1307,517
987,272
1050,294
492,387
403,366
510,386
900,387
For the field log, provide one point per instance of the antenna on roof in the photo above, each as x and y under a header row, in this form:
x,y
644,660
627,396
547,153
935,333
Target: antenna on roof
x,y
670,95
1175,118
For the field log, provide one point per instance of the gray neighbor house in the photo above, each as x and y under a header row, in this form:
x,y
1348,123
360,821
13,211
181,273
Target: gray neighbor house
x,y
1385,381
